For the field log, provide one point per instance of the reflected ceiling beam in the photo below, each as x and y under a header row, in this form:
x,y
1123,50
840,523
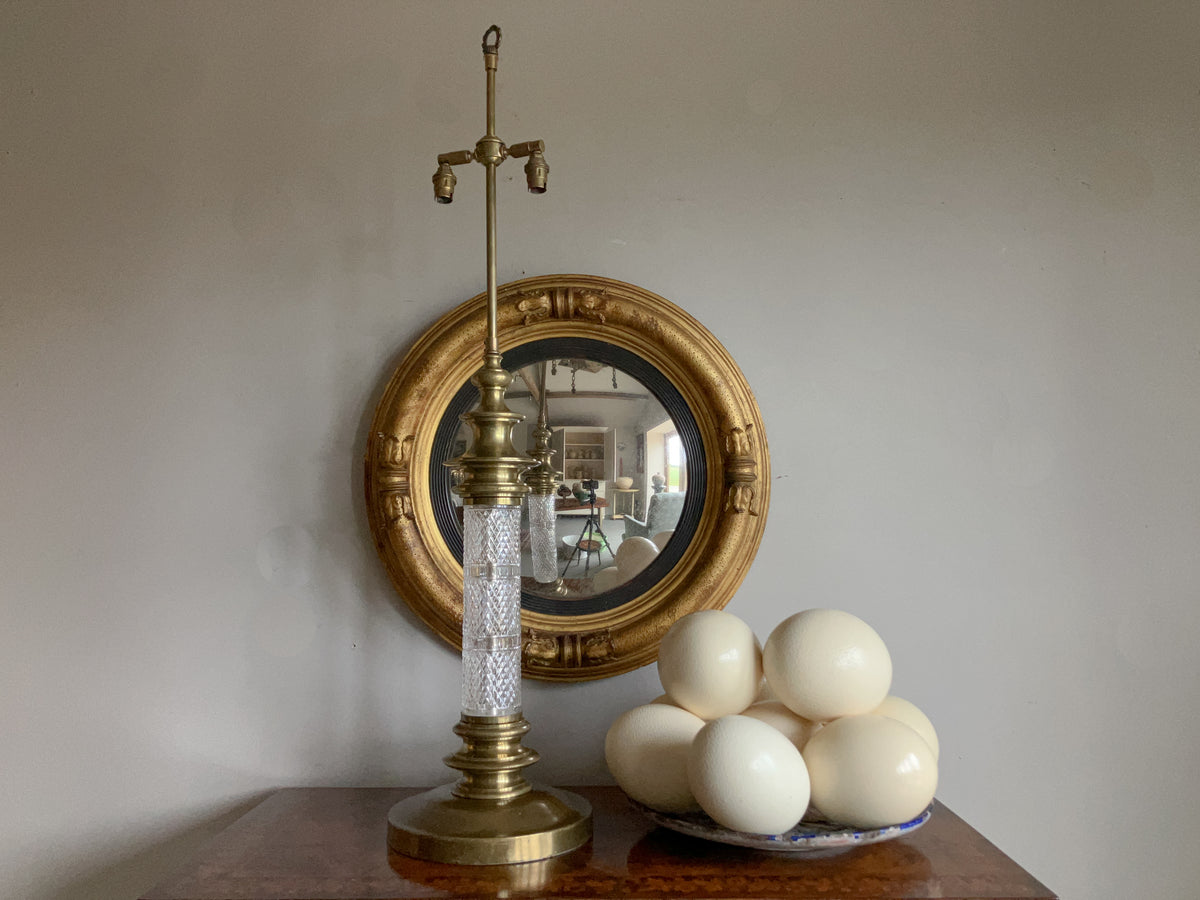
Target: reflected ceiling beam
x,y
579,395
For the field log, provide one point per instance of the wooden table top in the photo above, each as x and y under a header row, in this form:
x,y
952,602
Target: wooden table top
x,y
331,844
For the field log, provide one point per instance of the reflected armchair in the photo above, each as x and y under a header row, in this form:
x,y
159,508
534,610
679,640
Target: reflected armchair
x,y
661,515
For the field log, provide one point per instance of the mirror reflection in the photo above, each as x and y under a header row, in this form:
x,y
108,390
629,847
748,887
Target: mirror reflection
x,y
621,472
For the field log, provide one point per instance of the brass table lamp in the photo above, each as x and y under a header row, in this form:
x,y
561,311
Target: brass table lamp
x,y
492,815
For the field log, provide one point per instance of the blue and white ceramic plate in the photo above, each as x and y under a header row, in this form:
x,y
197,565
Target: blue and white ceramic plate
x,y
810,836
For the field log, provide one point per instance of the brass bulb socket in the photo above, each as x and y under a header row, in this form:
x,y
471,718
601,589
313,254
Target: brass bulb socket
x,y
536,170
444,181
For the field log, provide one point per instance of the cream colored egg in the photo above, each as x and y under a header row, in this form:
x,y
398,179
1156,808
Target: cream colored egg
x,y
903,711
796,729
869,771
826,663
606,579
662,539
710,663
646,750
765,692
748,776
634,554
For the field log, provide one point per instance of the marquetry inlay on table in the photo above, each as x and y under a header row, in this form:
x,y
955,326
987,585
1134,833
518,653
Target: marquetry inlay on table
x,y
331,844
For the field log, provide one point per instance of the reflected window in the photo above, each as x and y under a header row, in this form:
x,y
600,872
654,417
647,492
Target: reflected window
x,y
675,463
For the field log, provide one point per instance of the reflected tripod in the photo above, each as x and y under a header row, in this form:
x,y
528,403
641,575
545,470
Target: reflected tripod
x,y
591,528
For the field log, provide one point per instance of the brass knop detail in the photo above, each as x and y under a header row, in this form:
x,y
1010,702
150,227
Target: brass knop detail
x,y
492,467
491,757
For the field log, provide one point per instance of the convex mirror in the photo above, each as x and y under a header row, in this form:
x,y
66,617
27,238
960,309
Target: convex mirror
x,y
659,448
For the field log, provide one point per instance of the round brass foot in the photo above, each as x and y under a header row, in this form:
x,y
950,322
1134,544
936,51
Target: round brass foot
x,y
441,826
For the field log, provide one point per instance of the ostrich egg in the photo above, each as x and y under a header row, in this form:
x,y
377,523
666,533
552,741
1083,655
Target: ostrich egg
x,y
709,662
826,663
634,554
646,749
870,771
748,776
903,711
796,729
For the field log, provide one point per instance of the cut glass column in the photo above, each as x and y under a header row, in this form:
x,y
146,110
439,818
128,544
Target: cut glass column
x,y
491,655
541,537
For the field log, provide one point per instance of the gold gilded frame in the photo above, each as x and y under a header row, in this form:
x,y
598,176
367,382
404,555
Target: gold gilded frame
x,y
423,569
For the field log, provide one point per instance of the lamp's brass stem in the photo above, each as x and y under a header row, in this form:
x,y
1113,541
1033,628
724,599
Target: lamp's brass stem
x,y
493,343
491,57
490,62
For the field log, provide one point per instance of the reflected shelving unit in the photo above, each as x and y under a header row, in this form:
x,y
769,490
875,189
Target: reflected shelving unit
x,y
585,452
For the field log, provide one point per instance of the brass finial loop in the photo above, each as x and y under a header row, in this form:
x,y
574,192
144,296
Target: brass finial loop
x,y
491,48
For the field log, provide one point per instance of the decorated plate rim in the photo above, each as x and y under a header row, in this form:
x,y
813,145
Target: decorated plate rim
x,y
809,836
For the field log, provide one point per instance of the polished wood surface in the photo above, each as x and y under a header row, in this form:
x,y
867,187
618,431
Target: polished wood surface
x,y
330,844
571,504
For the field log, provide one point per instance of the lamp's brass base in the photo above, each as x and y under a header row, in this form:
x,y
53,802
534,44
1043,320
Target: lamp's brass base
x,y
440,826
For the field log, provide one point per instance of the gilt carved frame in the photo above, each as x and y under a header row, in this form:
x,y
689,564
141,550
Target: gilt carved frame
x,y
421,566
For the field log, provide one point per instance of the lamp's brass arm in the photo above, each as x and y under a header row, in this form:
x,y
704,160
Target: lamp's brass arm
x,y
520,150
457,158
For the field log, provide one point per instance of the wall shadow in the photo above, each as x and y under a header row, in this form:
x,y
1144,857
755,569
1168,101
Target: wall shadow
x,y
128,868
